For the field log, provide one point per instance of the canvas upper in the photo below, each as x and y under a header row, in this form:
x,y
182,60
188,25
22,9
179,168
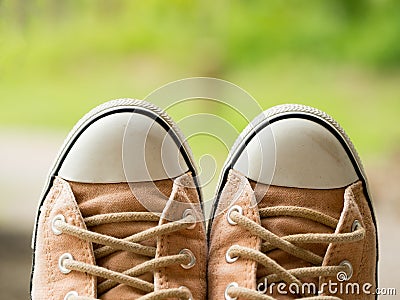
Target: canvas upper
x,y
293,217
121,216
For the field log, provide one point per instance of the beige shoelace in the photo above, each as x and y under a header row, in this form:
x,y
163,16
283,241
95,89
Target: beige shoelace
x,y
130,244
288,244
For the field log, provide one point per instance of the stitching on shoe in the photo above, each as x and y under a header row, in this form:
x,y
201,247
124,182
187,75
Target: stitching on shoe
x,y
248,263
253,240
354,195
337,249
161,272
77,219
50,204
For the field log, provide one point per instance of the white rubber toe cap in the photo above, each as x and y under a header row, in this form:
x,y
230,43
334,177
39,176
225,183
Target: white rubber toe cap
x,y
296,152
123,147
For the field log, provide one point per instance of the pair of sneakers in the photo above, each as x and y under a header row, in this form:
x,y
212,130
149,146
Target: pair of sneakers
x,y
121,216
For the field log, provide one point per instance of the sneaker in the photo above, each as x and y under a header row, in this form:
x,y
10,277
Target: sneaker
x,y
293,217
121,215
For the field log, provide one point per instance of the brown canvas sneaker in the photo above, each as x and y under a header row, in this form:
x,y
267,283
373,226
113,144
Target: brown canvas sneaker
x,y
121,215
293,217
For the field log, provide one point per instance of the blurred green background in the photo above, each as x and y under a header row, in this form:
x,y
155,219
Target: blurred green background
x,y
58,59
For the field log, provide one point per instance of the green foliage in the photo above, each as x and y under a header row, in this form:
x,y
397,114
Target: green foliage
x,y
60,58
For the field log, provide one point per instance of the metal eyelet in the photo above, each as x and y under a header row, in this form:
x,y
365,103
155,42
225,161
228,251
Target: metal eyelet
x,y
347,264
183,288
71,294
192,258
229,259
232,284
236,208
189,212
53,224
356,225
61,260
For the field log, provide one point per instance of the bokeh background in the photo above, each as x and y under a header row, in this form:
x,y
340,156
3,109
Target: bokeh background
x,y
60,58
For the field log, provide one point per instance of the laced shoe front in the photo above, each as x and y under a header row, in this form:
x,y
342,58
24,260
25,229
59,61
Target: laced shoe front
x,y
119,240
289,259
292,241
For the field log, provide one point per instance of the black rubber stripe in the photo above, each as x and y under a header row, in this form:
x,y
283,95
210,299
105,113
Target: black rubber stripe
x,y
235,156
253,133
135,109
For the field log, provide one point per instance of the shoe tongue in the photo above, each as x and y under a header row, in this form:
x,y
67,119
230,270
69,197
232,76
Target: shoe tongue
x,y
95,199
329,202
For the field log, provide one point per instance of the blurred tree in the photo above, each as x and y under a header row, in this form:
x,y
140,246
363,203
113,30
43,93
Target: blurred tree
x,y
353,9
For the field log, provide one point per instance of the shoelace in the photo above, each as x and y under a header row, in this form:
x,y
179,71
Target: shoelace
x,y
287,244
130,244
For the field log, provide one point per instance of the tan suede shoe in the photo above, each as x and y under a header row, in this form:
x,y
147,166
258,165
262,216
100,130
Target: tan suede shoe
x,y
121,215
293,217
